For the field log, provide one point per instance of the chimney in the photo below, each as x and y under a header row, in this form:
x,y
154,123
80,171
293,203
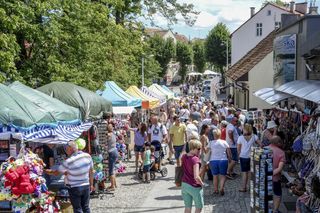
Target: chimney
x,y
313,9
252,11
292,6
302,7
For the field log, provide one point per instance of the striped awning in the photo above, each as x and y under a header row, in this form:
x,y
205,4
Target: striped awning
x,y
60,134
148,92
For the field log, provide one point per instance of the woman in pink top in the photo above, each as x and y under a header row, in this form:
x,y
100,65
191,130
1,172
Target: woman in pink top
x,y
278,163
191,187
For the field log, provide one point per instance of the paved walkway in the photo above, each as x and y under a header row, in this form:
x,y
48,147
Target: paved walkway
x,y
164,197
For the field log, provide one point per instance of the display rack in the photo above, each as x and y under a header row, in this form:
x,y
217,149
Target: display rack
x,y
261,189
258,118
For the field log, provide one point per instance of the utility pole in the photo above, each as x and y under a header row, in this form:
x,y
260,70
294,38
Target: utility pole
x,y
142,71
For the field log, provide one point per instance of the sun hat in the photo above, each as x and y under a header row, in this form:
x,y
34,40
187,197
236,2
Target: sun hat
x,y
271,124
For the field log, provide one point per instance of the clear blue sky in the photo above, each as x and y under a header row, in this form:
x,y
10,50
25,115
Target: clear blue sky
x,y
231,12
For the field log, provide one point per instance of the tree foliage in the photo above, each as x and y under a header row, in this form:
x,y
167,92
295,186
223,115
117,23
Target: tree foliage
x,y
184,56
130,10
163,51
215,46
277,2
77,41
199,55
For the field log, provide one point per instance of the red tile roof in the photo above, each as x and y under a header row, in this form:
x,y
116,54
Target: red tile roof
x,y
252,58
269,3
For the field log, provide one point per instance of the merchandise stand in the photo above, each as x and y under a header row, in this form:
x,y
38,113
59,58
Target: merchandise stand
x,y
261,190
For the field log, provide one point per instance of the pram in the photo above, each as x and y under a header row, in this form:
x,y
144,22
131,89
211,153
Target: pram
x,y
160,152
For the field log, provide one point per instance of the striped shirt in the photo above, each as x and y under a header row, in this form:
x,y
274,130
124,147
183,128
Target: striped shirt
x,y
77,166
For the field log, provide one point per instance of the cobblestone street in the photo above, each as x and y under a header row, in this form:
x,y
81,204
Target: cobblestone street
x,y
161,195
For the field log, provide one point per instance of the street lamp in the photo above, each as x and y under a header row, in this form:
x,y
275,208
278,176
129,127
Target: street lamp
x,y
142,68
227,46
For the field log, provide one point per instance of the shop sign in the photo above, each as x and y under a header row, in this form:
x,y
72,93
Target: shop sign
x,y
284,62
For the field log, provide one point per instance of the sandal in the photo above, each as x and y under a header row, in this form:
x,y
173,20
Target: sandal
x,y
111,189
242,190
222,192
216,192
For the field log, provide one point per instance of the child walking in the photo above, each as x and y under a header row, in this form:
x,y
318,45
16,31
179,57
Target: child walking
x,y
146,163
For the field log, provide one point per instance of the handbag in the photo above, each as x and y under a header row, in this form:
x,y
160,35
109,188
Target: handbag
x,y
207,156
178,176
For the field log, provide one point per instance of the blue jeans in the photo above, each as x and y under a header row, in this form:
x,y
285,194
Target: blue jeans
x,y
113,157
79,197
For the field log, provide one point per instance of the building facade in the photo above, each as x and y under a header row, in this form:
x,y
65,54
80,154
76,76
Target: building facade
x,y
255,29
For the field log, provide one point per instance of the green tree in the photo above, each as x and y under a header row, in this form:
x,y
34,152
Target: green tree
x,y
199,55
129,10
215,46
184,56
277,2
163,51
76,43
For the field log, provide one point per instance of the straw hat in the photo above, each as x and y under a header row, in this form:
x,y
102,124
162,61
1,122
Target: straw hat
x,y
271,124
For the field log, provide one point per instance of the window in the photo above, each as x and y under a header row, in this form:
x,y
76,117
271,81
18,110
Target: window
x,y
259,29
277,24
269,13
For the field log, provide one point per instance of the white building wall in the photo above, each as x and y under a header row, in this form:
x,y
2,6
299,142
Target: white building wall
x,y
245,38
260,76
169,34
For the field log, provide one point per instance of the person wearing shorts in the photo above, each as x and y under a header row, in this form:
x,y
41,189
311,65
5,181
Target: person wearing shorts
x,y
245,143
140,137
232,138
177,137
220,153
278,163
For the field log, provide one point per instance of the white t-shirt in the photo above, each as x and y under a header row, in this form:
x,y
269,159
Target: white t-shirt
x,y
157,133
184,113
246,145
218,149
232,128
190,129
223,111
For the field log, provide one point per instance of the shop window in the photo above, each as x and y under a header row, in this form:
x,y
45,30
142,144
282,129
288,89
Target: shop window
x,y
259,29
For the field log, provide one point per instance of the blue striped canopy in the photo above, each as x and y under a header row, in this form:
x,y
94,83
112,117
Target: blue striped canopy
x,y
60,134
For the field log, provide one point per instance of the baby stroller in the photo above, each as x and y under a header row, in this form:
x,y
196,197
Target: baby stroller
x,y
160,152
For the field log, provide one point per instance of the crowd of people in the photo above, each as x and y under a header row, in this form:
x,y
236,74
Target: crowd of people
x,y
206,139
202,139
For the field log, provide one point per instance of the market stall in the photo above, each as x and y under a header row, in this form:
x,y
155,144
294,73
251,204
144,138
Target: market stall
x,y
147,101
22,122
148,92
16,110
168,90
60,110
118,97
160,91
89,103
298,122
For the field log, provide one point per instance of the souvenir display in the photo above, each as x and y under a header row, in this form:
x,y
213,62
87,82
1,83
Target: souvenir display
x,y
261,190
23,184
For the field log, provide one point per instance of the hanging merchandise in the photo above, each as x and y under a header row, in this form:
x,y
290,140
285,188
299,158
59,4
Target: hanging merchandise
x,y
261,190
23,184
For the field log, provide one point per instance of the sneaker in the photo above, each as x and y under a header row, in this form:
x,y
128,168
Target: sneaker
x,y
229,177
205,185
171,162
